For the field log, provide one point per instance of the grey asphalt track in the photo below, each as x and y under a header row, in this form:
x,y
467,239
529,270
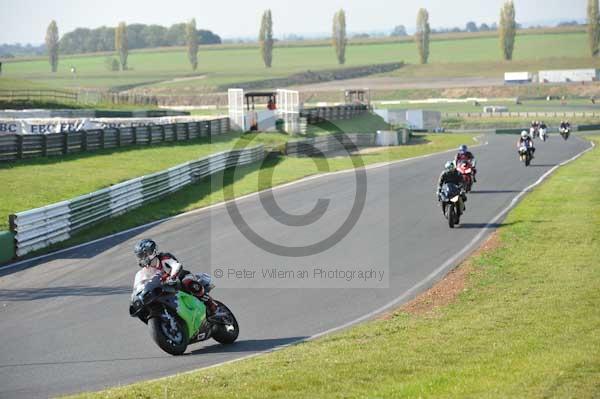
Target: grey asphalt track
x,y
64,323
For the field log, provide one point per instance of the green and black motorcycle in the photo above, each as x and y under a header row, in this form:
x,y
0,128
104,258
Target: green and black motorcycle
x,y
176,318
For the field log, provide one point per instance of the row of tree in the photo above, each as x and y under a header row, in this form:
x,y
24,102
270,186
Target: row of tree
x,y
122,42
83,40
189,35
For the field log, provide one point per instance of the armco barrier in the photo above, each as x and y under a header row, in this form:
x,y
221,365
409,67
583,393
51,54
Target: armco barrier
x,y
16,146
329,143
7,246
583,128
38,228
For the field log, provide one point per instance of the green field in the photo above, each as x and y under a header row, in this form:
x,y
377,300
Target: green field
x,y
526,324
477,56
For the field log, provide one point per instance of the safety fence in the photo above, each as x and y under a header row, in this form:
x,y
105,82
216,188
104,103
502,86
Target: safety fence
x,y
330,143
38,95
321,114
15,146
546,114
89,113
38,228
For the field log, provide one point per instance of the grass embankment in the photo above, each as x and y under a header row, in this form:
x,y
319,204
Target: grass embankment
x,y
169,71
525,325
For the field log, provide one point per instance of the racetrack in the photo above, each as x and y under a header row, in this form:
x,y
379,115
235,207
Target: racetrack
x,y
64,322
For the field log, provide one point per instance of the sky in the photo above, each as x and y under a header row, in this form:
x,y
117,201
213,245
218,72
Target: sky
x,y
25,21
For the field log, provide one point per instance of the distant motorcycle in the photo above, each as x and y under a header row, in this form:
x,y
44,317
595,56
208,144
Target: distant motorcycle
x,y
543,134
176,318
565,132
534,132
450,197
465,168
525,154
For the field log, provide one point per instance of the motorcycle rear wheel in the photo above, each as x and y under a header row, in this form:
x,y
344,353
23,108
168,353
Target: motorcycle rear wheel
x,y
226,333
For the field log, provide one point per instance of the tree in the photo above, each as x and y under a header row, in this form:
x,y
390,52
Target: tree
x,y
471,27
121,44
339,35
508,29
265,38
484,27
399,30
191,39
593,27
422,35
52,44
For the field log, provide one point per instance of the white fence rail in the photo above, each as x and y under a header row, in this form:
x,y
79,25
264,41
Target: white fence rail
x,y
38,228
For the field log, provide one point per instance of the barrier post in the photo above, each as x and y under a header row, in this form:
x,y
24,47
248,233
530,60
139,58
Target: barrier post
x,y
65,143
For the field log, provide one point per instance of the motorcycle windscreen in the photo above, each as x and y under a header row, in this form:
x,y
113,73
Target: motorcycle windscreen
x,y
142,277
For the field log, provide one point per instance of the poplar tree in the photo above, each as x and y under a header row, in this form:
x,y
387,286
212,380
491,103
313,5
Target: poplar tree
x,y
339,35
593,27
121,44
422,35
265,38
52,45
507,29
191,39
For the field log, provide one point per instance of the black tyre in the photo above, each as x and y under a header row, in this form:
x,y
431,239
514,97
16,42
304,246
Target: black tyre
x,y
227,332
174,341
451,216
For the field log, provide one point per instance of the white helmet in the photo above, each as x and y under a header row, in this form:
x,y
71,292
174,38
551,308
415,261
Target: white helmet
x,y
524,134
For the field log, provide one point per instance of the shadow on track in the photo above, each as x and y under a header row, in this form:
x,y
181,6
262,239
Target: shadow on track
x,y
485,225
493,191
32,294
251,345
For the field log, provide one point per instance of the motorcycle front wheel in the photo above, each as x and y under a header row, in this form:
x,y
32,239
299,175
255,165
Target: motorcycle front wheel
x,y
451,216
169,333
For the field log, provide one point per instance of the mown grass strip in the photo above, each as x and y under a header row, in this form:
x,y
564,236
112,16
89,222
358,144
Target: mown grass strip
x,y
526,325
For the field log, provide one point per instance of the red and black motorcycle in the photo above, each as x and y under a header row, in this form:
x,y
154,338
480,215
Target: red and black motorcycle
x,y
466,169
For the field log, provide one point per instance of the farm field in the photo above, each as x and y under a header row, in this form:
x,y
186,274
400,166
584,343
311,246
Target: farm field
x,y
169,71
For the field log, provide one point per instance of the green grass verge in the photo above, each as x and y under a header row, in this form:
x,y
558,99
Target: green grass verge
x,y
525,326
246,180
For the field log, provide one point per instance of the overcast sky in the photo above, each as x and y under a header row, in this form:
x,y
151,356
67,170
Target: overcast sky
x,y
25,21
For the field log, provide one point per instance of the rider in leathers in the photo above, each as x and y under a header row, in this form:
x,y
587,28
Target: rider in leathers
x,y
171,270
451,175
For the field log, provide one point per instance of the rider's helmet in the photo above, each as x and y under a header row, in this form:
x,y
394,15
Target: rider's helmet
x,y
145,250
449,166
524,134
462,149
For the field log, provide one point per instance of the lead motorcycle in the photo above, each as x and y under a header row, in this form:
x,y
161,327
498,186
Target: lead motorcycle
x,y
525,154
176,318
450,197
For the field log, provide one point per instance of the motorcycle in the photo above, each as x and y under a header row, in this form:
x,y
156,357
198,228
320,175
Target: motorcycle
x,y
543,134
525,155
450,198
565,132
176,318
465,168
533,132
